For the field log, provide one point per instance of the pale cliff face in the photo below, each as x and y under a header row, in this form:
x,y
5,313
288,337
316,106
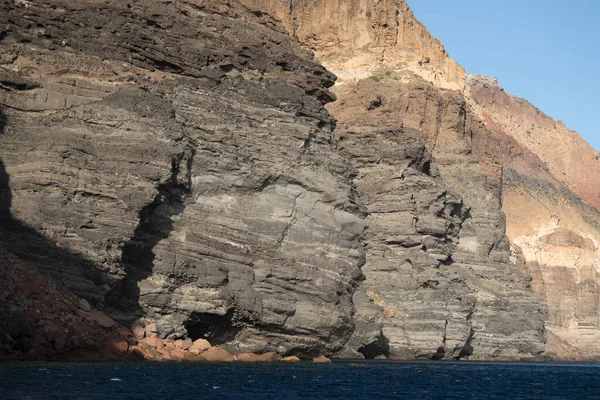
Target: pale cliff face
x,y
551,197
356,38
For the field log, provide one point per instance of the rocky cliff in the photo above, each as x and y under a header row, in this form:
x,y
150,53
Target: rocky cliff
x,y
437,270
356,38
551,186
173,162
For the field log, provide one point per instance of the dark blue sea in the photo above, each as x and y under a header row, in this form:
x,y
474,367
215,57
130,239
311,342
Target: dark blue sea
x,y
341,380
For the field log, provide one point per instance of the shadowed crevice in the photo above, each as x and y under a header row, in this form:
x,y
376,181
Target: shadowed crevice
x,y
138,255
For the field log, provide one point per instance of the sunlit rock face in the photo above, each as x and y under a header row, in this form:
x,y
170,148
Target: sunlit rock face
x,y
550,197
187,164
355,38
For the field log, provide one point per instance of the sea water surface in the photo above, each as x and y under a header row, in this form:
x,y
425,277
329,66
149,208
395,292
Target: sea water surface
x,y
340,380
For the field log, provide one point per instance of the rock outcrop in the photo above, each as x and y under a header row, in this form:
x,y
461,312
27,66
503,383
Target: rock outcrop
x,y
356,38
550,196
183,156
438,281
174,164
40,320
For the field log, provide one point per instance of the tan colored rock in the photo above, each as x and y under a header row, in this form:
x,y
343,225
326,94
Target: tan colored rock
x,y
291,359
246,357
166,354
138,332
199,346
190,357
217,354
153,342
356,38
321,360
184,344
178,355
151,330
268,357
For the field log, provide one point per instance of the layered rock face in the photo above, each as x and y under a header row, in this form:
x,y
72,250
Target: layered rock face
x,y
437,271
550,197
180,157
356,38
173,163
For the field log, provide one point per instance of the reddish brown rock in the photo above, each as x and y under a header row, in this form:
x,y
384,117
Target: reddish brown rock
x,y
216,354
246,357
291,359
178,355
251,357
31,288
321,360
153,342
199,346
191,357
184,344
166,355
57,338
116,346
269,357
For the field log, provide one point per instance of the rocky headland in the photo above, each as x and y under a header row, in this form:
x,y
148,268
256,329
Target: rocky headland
x,y
186,180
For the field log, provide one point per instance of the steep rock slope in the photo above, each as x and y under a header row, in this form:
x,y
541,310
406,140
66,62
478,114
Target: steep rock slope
x,y
175,163
437,271
355,38
551,184
548,174
179,155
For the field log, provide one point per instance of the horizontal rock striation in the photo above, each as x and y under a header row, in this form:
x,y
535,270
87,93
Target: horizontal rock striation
x,y
173,163
550,198
438,281
181,157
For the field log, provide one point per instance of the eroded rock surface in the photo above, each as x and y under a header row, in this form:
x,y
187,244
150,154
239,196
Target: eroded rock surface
x,y
550,189
172,162
438,281
356,38
181,156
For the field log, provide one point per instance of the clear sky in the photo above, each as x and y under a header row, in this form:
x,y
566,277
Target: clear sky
x,y
546,51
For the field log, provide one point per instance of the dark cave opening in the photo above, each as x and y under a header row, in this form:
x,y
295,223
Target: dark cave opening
x,y
439,354
427,168
217,329
379,347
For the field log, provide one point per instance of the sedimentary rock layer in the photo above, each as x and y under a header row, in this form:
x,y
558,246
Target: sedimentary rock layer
x,y
437,270
550,198
180,158
173,163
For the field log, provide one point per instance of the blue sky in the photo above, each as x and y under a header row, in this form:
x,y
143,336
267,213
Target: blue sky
x,y
546,51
